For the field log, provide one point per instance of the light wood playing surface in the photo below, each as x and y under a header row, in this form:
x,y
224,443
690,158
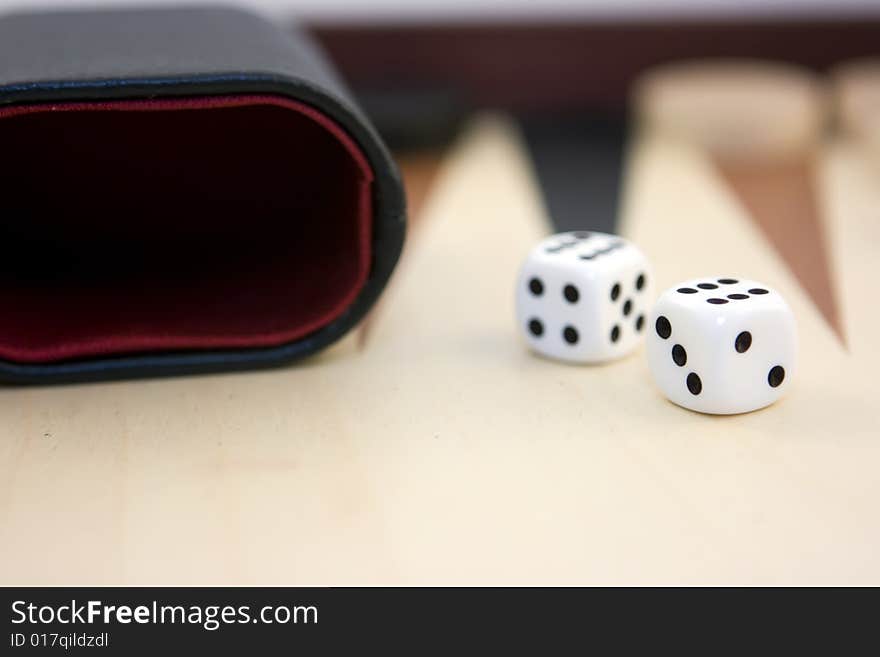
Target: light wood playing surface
x,y
439,451
762,123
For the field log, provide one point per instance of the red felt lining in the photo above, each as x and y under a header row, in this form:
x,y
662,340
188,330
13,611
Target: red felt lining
x,y
161,225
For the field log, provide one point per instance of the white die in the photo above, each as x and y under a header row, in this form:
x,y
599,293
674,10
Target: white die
x,y
583,297
722,345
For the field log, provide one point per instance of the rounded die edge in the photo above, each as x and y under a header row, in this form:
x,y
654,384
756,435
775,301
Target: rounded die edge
x,y
696,407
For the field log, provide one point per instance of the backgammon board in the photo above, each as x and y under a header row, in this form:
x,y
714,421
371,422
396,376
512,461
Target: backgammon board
x,y
431,447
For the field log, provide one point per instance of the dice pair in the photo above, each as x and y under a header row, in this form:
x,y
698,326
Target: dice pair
x,y
715,345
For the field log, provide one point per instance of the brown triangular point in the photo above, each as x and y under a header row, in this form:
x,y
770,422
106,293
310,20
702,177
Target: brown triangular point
x,y
419,171
781,199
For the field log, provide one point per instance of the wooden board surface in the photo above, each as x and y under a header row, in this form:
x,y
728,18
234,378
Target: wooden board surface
x,y
439,451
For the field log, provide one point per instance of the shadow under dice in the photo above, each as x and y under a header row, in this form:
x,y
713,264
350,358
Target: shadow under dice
x,y
722,345
583,297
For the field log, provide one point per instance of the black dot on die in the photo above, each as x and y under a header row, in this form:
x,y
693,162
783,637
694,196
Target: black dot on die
x,y
615,333
743,342
694,384
717,301
536,287
679,355
758,290
663,327
707,286
627,307
581,235
727,281
737,297
615,291
776,376
571,294
570,334
640,282
536,328
686,290
640,323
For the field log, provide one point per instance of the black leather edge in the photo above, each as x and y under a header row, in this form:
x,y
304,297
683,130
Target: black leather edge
x,y
389,211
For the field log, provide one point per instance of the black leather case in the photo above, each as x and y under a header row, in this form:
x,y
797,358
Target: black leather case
x,y
182,191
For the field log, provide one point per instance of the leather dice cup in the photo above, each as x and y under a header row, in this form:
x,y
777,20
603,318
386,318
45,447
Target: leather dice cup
x,y
183,191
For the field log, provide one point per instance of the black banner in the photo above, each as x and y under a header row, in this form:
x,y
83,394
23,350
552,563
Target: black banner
x,y
329,620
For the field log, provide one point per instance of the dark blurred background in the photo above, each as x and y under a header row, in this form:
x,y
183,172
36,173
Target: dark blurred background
x,y
419,63
561,68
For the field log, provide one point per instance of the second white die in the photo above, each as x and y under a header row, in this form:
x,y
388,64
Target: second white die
x,y
583,297
722,345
